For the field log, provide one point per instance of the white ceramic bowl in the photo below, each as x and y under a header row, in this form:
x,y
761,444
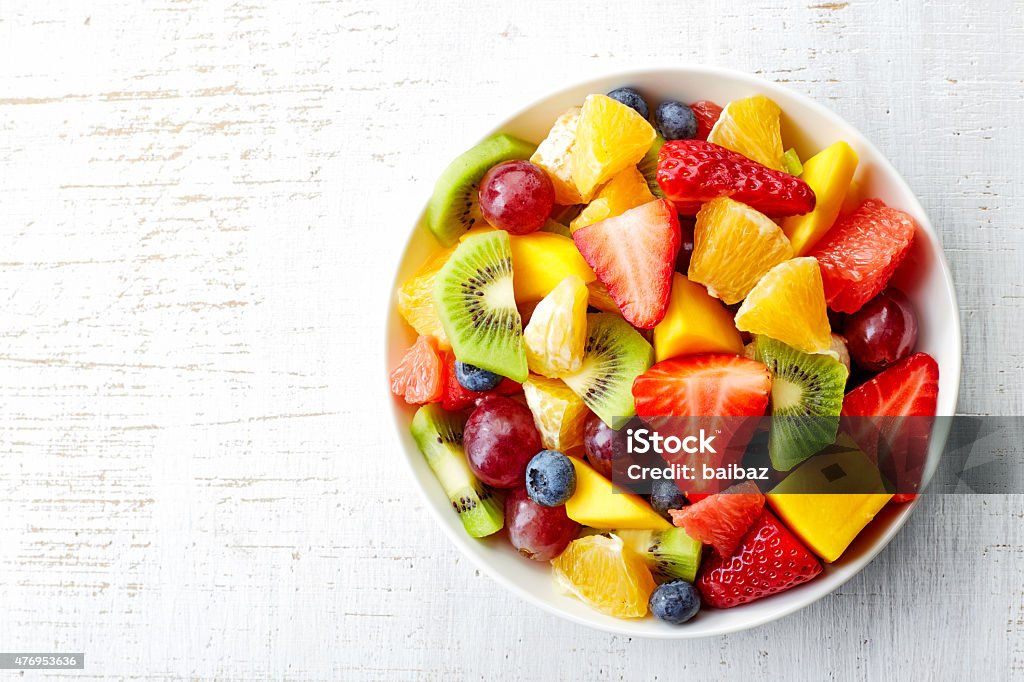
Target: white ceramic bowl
x,y
924,277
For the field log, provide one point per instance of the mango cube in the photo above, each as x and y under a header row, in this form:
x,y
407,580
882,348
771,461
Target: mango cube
x,y
695,322
540,260
595,504
827,522
829,173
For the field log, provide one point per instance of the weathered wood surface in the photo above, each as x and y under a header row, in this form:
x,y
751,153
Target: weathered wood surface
x,y
200,204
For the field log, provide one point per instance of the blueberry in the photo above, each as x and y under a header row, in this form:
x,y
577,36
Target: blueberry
x,y
473,378
550,478
676,602
631,98
675,121
665,495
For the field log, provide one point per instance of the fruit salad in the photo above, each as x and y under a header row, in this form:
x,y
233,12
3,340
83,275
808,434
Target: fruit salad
x,y
647,260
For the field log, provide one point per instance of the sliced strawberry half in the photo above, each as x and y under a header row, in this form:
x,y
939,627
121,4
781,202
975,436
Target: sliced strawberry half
x,y
693,172
769,560
718,393
890,417
722,520
714,384
457,397
634,255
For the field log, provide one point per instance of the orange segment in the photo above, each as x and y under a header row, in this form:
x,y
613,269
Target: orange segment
x,y
828,173
626,190
694,323
788,305
733,247
751,127
416,299
558,413
554,155
557,332
610,137
607,575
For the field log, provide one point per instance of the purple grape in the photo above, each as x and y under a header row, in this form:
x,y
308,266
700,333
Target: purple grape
x,y
500,439
537,532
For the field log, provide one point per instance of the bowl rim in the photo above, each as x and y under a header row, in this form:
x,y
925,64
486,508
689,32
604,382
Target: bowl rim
x,y
621,627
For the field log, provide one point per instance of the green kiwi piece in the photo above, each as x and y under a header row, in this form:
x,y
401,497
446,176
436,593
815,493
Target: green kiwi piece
x,y
615,355
670,553
473,297
454,207
439,437
807,396
648,167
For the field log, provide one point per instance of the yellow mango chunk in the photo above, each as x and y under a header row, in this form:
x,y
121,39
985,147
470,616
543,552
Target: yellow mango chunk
x,y
540,260
626,190
595,505
695,322
610,137
554,155
829,173
827,522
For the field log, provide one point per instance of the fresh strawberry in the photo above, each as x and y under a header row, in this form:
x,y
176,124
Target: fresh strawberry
x,y
715,384
722,520
419,377
457,397
692,172
719,393
861,251
707,114
910,388
769,560
890,417
634,255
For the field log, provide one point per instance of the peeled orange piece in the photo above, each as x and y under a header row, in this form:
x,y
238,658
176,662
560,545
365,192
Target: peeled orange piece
x,y
557,333
558,413
733,247
606,574
554,155
610,137
416,300
626,190
750,126
788,305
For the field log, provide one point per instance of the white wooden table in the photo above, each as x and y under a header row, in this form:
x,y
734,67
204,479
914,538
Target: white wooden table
x,y
200,208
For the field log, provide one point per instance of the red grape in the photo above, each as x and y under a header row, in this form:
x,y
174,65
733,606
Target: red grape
x,y
539,533
599,443
500,439
516,196
882,332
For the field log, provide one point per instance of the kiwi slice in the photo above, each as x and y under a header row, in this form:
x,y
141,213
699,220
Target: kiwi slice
x,y
807,396
555,227
670,553
615,355
454,207
648,166
439,437
473,297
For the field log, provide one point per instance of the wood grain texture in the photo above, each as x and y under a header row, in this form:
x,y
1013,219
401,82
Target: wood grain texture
x,y
201,204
